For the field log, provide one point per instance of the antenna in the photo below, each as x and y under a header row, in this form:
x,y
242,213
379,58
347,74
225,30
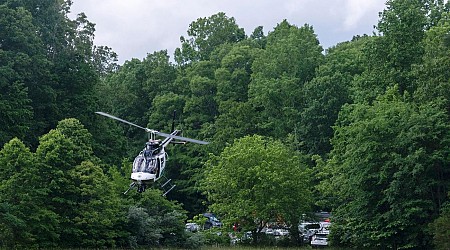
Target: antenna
x,y
173,119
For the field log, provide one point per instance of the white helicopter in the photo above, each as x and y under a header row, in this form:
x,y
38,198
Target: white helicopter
x,y
149,165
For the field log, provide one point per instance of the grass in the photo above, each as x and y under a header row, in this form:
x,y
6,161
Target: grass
x,y
265,248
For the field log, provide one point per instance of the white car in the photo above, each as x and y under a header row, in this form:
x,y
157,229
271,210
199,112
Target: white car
x,y
324,227
281,232
308,229
319,240
192,227
268,231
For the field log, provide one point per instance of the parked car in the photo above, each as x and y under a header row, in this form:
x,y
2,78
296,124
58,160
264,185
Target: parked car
x,y
248,236
212,221
268,231
308,229
281,232
319,240
192,227
325,227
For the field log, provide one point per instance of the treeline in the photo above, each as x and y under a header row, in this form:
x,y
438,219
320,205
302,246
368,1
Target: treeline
x,y
361,129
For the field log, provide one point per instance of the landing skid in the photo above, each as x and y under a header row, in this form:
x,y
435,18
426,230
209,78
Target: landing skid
x,y
167,186
140,187
132,185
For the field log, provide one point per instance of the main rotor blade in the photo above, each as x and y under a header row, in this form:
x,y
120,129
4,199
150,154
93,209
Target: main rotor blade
x,y
154,131
181,138
122,120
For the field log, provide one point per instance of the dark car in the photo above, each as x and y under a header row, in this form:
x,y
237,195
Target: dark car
x,y
308,229
212,221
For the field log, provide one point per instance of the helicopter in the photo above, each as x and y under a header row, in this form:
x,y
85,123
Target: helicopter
x,y
149,164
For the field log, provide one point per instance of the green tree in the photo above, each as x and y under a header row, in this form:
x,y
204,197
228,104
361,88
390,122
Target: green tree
x,y
52,60
59,152
20,55
258,37
388,168
25,220
402,25
109,142
235,112
104,60
162,111
399,46
200,106
96,208
256,181
289,60
122,93
433,75
205,35
440,228
325,94
130,91
233,75
154,221
237,120
199,110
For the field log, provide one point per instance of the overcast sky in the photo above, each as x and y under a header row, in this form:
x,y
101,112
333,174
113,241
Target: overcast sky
x,y
134,28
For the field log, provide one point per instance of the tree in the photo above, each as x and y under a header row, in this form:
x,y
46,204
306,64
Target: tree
x,y
105,60
235,112
19,56
164,108
200,106
205,35
402,25
25,220
325,94
59,152
433,76
48,65
256,181
289,60
154,221
130,91
258,37
237,120
391,56
122,93
440,228
96,213
389,166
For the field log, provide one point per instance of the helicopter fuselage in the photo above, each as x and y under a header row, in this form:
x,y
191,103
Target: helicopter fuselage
x,y
148,165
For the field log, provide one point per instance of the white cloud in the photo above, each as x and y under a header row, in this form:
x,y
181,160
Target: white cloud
x,y
134,28
357,10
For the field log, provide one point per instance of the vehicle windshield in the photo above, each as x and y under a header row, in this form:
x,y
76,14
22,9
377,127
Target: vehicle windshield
x,y
312,226
321,236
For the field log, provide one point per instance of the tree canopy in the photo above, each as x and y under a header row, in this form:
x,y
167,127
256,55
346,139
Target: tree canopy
x,y
256,181
359,129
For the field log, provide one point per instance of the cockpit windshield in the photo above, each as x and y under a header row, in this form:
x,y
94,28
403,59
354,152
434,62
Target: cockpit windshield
x,y
146,164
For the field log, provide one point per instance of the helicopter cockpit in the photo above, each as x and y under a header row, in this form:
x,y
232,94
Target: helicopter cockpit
x,y
152,148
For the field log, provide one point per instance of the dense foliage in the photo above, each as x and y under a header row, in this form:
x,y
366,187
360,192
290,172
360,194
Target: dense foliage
x,y
361,129
256,181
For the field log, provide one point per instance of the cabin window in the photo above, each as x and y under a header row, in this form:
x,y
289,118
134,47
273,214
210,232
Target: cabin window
x,y
138,162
